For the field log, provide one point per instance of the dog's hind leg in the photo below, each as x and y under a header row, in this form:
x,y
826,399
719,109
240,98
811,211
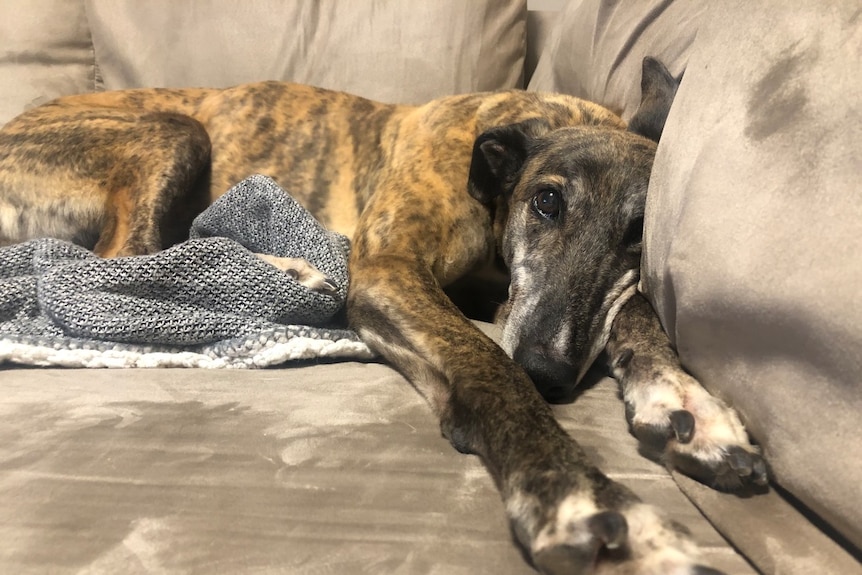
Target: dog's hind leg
x,y
156,187
122,180
670,412
302,271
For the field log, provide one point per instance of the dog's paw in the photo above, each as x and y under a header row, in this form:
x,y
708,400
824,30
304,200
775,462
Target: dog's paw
x,y
697,434
579,536
303,272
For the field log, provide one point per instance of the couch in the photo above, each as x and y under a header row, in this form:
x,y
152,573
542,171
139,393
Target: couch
x,y
324,467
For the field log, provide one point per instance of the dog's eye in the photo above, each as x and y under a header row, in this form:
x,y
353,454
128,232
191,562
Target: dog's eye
x,y
547,203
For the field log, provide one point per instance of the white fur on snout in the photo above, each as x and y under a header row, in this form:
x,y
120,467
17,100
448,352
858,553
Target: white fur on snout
x,y
528,301
563,339
524,305
518,315
622,290
521,285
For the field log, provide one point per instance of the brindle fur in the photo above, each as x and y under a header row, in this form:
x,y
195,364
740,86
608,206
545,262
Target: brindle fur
x,y
122,172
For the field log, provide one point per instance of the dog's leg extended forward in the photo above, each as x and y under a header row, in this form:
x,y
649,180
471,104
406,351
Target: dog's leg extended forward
x,y
568,515
669,411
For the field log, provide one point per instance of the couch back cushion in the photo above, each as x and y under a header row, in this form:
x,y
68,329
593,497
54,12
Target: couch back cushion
x,y
46,52
402,51
398,51
597,48
752,243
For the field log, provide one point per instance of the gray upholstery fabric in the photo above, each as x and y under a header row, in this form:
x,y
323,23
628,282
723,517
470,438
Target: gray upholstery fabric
x,y
391,51
752,238
327,469
771,532
597,48
406,52
45,52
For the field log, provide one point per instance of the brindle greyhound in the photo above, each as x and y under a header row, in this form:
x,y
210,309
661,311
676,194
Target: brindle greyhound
x,y
557,185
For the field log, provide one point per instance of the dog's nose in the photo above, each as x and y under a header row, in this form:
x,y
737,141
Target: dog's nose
x,y
554,379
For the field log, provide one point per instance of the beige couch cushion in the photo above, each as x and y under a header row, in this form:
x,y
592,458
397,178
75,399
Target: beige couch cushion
x,y
752,237
597,48
390,51
45,52
328,469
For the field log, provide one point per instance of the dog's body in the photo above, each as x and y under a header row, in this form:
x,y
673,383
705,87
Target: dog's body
x,y
556,184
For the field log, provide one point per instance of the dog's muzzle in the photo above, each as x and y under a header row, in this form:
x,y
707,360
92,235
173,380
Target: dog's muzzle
x,y
554,379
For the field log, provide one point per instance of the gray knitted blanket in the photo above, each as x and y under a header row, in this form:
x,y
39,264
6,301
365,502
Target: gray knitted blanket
x,y
208,302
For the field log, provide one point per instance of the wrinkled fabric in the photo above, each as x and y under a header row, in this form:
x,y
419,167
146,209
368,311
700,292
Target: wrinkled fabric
x,y
45,52
597,50
210,296
325,468
398,52
752,240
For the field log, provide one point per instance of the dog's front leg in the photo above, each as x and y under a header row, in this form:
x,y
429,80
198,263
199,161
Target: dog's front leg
x,y
568,515
670,412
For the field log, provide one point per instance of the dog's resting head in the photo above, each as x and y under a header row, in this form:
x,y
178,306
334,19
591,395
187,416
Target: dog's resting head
x,y
569,210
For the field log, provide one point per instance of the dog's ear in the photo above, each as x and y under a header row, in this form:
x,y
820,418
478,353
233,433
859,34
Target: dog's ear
x,y
498,156
658,88
631,219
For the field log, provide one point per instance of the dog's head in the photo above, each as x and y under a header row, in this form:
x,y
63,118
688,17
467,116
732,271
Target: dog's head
x,y
570,206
